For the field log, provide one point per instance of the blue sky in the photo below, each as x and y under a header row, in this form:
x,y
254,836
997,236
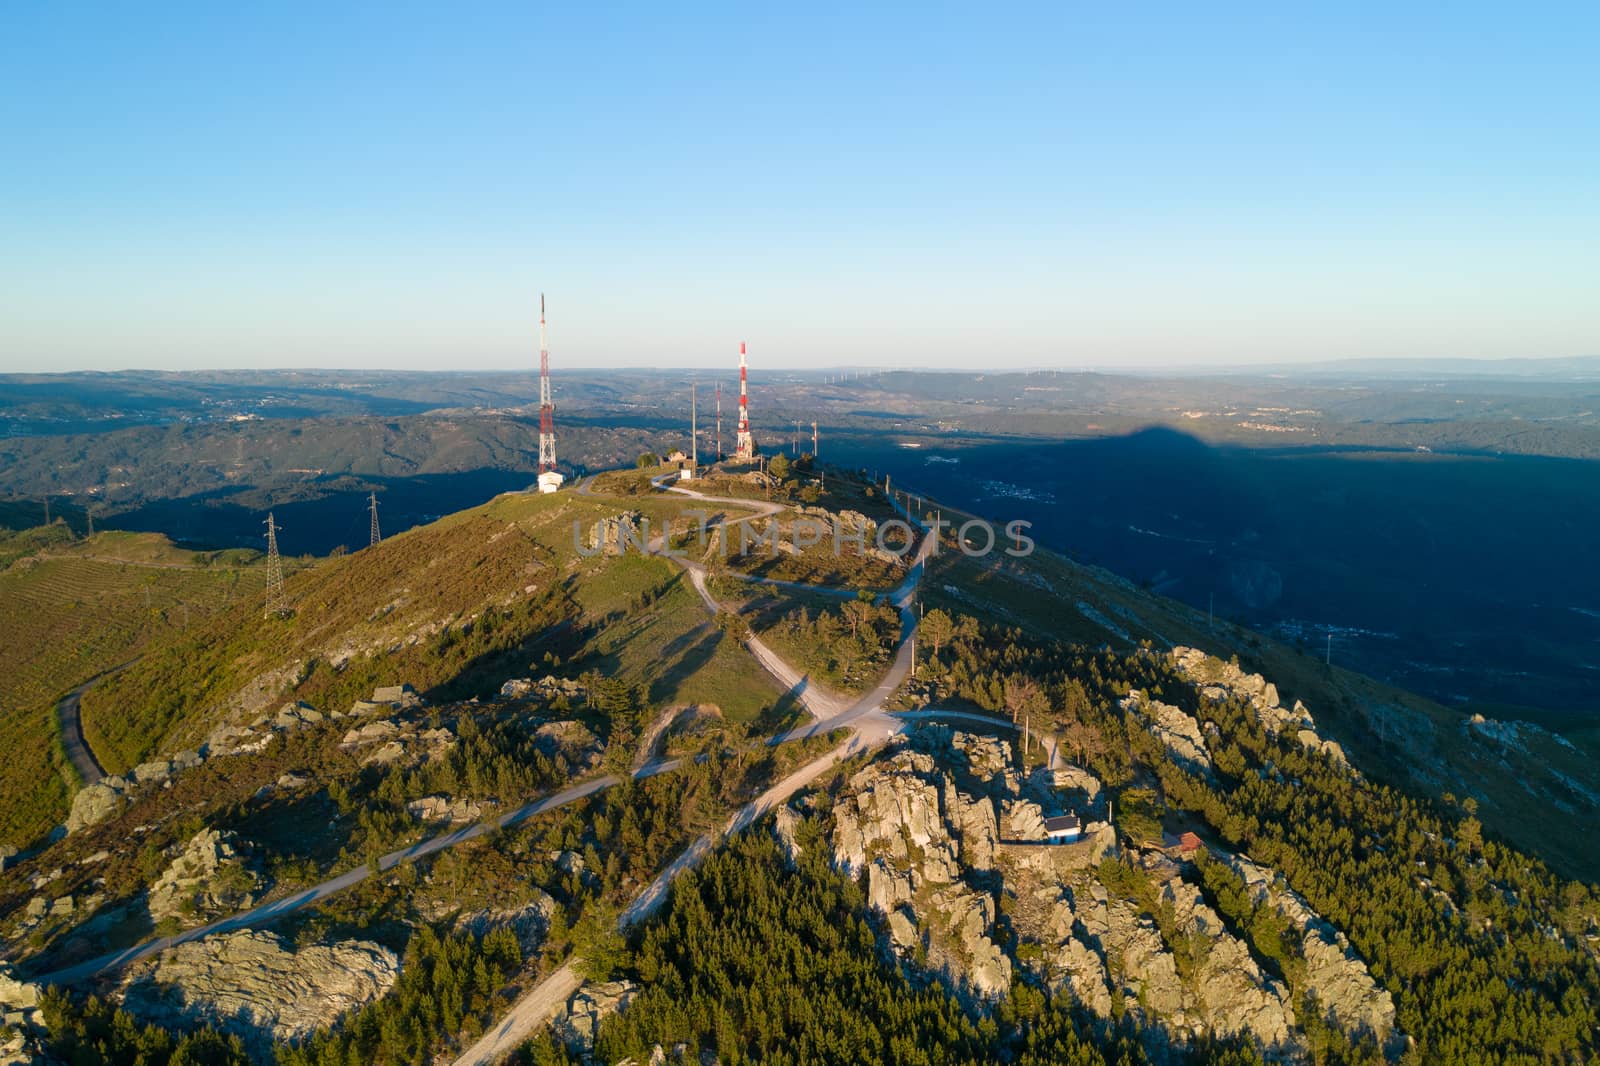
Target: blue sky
x,y
215,185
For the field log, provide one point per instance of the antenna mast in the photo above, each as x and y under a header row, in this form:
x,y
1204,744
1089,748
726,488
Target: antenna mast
x,y
276,603
547,411
372,505
694,429
719,421
746,447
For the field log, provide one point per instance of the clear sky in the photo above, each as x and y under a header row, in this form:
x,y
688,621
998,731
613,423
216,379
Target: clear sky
x,y
344,185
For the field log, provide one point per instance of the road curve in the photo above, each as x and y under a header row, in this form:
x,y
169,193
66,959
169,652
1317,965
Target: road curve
x,y
70,719
870,728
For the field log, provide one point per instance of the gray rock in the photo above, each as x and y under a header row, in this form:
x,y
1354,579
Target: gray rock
x,y
576,1024
94,804
206,879
257,985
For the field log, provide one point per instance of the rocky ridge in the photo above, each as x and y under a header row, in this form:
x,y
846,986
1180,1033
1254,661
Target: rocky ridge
x,y
948,837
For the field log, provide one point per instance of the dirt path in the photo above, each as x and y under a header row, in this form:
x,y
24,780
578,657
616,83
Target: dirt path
x,y
870,728
539,1006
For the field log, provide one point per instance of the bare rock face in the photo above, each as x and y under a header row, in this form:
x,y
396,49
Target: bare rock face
x,y
785,823
905,824
206,879
258,986
578,1021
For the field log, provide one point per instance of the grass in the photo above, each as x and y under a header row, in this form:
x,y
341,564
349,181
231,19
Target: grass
x,y
670,646
71,610
413,610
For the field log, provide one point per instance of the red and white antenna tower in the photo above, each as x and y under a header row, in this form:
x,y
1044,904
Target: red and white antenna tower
x,y
719,421
547,411
745,449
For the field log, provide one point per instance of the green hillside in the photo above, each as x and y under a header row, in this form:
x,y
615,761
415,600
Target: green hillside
x,y
71,609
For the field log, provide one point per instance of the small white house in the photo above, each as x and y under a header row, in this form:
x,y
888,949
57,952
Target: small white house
x,y
551,480
1063,828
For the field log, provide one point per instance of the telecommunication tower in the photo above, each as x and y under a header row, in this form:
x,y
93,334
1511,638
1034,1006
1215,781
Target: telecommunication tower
x,y
547,411
372,506
745,448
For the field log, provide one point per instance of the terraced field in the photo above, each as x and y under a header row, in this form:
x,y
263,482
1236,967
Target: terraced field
x,y
70,611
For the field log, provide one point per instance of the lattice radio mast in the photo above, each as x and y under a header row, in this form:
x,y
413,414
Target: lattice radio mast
x,y
719,421
372,505
277,604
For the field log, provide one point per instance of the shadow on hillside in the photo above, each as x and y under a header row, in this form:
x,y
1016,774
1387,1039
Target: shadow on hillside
x,y
318,515
1466,577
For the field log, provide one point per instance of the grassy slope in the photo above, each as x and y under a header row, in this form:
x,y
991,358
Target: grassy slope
x,y
70,611
1394,735
413,611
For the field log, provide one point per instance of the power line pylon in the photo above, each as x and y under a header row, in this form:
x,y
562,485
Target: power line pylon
x,y
372,505
277,604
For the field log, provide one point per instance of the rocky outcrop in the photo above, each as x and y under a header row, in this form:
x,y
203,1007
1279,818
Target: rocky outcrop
x,y
444,809
545,688
530,922
1345,991
258,986
616,534
1218,680
576,1023
916,833
391,741
1177,731
208,878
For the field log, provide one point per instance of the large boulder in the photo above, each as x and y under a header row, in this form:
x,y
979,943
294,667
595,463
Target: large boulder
x,y
258,985
95,804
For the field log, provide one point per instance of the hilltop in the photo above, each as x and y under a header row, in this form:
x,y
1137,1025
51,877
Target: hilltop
x,y
475,763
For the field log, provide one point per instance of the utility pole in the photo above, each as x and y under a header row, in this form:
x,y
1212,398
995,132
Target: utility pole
x,y
372,505
90,516
1328,661
276,604
47,510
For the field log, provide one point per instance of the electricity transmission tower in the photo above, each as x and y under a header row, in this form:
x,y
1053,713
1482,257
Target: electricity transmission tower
x,y
276,603
372,505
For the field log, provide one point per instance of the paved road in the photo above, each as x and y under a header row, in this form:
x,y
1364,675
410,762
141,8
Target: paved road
x,y
71,722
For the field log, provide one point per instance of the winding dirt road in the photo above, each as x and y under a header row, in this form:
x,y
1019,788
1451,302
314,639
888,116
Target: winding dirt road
x,y
870,728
